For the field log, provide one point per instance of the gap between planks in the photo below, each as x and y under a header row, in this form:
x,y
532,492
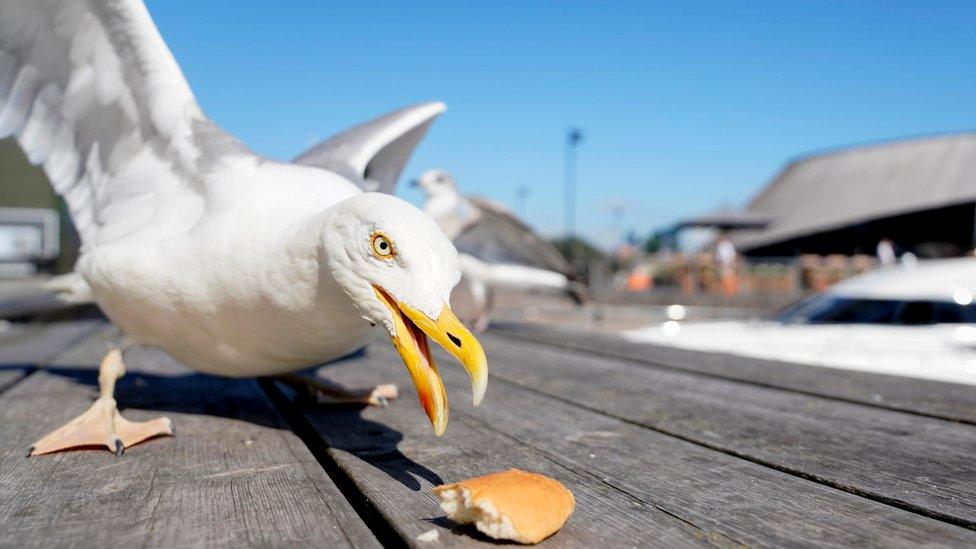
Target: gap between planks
x,y
29,356
317,446
605,512
553,338
369,513
880,498
289,474
860,491
871,513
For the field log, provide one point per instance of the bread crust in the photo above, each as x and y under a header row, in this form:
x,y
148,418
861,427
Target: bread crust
x,y
530,507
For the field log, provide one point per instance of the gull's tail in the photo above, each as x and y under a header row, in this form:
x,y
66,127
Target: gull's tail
x,y
70,288
520,277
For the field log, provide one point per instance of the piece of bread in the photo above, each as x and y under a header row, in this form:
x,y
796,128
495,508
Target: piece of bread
x,y
516,505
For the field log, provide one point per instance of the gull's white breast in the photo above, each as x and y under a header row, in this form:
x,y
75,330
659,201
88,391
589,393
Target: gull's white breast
x,y
240,294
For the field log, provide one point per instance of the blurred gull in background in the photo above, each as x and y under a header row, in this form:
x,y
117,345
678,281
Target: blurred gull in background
x,y
498,250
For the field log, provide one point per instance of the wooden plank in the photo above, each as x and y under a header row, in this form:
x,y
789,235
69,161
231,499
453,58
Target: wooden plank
x,y
913,462
394,459
725,497
23,346
927,397
233,474
28,300
33,344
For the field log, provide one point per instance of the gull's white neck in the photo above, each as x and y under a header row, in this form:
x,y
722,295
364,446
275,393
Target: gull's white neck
x,y
442,203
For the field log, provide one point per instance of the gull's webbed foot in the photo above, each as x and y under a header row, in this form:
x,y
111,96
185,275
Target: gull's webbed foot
x,y
320,391
481,324
102,424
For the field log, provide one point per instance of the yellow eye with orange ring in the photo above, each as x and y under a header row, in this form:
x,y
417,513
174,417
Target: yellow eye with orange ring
x,y
382,246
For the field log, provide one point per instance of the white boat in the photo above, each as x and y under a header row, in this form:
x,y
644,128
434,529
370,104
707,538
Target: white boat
x,y
910,321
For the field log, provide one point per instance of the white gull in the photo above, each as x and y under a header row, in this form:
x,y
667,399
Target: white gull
x,y
234,264
498,250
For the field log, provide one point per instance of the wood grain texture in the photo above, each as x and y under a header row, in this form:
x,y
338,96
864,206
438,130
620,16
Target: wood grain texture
x,y
915,462
233,475
27,301
946,400
724,497
663,452
393,457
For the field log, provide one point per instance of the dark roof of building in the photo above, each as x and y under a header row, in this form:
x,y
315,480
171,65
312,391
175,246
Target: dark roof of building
x,y
845,187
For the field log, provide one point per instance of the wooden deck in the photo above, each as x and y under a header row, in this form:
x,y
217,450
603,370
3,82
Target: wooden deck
x,y
661,448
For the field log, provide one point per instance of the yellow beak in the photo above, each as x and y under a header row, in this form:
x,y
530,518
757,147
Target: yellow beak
x,y
411,328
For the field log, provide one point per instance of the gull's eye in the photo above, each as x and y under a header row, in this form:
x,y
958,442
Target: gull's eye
x,y
382,246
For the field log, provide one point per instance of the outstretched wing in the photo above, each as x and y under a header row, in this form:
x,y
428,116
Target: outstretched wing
x,y
496,235
373,154
92,93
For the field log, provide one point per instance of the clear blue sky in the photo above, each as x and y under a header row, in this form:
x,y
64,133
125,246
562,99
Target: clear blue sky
x,y
687,106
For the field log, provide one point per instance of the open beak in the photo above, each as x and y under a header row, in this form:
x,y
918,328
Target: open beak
x,y
412,327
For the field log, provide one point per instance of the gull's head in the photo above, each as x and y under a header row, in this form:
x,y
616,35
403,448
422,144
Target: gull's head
x,y
436,183
399,268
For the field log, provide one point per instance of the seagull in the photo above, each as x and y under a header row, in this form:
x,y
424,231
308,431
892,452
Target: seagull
x,y
235,264
497,249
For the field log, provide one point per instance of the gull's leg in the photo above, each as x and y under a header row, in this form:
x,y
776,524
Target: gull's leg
x,y
101,424
479,294
484,315
325,392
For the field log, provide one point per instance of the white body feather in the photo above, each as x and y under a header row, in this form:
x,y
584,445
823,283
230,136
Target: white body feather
x,y
232,298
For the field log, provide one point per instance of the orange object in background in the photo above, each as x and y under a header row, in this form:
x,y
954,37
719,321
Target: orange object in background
x,y
640,279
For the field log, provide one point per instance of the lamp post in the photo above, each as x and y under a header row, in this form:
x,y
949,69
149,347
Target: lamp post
x,y
521,198
574,136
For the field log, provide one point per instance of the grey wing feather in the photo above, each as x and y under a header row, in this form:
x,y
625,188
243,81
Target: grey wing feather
x,y
93,95
496,235
374,153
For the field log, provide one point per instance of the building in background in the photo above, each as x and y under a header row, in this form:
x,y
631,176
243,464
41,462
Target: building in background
x,y
920,193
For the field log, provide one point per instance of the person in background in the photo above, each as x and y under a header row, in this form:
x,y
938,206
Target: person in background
x,y
685,279
727,258
886,252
